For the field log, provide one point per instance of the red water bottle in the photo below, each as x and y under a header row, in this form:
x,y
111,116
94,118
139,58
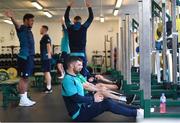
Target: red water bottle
x,y
162,103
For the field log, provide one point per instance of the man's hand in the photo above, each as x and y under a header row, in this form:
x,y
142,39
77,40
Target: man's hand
x,y
99,77
91,79
71,2
9,13
62,20
98,97
88,3
49,56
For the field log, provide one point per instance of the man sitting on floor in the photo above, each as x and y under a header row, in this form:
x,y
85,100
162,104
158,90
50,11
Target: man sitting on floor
x,y
84,108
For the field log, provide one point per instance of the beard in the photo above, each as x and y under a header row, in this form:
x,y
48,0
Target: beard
x,y
77,71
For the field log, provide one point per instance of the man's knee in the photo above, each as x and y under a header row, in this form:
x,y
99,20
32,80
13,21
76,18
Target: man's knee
x,y
109,103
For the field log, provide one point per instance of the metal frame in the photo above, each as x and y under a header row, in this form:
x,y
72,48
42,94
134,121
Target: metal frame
x,y
175,38
164,41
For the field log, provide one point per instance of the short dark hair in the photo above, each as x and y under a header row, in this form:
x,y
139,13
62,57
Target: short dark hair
x,y
45,27
77,18
72,59
28,16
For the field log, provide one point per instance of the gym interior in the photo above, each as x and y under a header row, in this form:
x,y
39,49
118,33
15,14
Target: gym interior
x,y
129,45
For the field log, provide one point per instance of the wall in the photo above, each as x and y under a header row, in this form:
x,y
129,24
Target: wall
x,y
95,35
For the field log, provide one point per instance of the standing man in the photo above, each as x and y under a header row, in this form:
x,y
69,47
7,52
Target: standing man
x,y
65,51
26,54
77,34
46,50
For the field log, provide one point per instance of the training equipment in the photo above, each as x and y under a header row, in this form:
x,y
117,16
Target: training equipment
x,y
12,72
3,75
170,69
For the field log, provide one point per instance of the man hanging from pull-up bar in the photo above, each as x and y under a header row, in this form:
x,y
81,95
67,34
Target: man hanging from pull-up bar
x,y
77,34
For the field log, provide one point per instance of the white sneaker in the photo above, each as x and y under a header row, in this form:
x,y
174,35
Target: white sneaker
x,y
30,101
26,102
140,114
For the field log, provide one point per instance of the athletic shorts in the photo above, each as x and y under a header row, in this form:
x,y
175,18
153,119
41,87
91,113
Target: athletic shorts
x,y
46,65
26,67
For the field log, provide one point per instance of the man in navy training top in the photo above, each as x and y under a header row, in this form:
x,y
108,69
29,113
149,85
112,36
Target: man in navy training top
x,y
83,107
26,54
77,34
45,49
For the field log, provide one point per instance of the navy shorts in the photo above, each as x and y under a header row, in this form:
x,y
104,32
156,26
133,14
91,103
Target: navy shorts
x,y
26,67
46,65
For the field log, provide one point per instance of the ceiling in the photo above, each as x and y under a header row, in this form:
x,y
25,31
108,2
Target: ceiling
x,y
58,7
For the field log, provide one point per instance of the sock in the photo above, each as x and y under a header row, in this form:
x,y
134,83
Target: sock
x,y
122,98
48,87
23,96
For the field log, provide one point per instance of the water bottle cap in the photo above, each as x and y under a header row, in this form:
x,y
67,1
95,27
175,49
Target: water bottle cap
x,y
162,94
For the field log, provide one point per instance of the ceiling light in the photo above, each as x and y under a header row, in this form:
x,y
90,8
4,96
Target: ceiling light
x,y
8,21
102,19
37,5
48,14
118,3
115,12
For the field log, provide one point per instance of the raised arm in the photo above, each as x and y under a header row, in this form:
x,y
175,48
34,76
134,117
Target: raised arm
x,y
10,14
66,15
91,16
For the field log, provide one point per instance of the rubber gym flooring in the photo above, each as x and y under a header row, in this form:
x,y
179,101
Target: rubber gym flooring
x,y
49,108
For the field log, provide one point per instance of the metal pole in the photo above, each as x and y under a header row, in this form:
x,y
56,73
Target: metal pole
x,y
124,48
128,50
153,45
111,53
164,40
175,34
105,51
133,47
122,51
145,55
118,56
140,40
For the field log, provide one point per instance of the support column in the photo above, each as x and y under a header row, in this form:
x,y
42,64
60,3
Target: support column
x,y
175,38
124,49
164,40
140,38
128,50
121,51
145,55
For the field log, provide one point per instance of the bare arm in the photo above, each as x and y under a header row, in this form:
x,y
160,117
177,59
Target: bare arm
x,y
90,87
49,50
10,14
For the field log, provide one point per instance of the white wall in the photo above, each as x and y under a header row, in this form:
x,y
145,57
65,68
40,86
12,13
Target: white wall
x,y
95,35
